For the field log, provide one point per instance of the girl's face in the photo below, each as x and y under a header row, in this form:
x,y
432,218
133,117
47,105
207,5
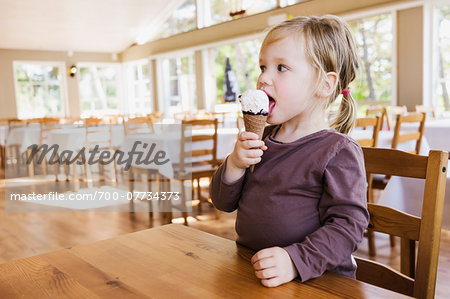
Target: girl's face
x,y
289,79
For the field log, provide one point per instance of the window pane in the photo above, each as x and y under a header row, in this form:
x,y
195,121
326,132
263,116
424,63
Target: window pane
x,y
38,89
98,89
220,11
21,74
257,6
374,42
181,20
443,57
244,63
179,84
37,73
138,87
284,3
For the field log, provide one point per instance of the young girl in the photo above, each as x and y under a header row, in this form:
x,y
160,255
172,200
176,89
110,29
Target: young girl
x,y
304,207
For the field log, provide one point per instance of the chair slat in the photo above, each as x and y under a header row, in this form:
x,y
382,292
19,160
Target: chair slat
x,y
387,220
409,136
386,161
377,274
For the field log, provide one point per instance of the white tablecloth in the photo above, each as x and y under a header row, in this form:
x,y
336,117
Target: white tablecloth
x,y
169,143
385,140
23,137
436,131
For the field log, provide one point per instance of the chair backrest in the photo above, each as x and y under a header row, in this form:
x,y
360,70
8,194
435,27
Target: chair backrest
x,y
47,125
417,135
393,111
182,115
156,117
98,133
381,112
414,280
138,125
365,122
198,142
429,110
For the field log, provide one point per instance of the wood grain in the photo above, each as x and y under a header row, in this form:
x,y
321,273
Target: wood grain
x,y
168,261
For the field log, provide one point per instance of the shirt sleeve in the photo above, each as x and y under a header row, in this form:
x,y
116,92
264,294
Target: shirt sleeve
x,y
343,216
225,197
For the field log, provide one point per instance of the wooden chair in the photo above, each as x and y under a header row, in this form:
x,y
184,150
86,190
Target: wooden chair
x,y
99,135
381,112
138,125
380,182
365,122
46,126
393,111
400,137
416,279
182,115
429,110
196,163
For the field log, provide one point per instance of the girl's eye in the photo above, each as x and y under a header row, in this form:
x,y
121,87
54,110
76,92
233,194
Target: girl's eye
x,y
281,68
262,68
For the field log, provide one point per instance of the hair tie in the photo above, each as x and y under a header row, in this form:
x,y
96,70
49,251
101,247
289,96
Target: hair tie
x,y
346,91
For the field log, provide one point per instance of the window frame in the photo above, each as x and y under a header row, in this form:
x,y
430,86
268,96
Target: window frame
x,y
63,85
130,82
119,91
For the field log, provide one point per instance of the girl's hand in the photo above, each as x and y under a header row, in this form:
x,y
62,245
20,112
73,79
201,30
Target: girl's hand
x,y
273,266
247,151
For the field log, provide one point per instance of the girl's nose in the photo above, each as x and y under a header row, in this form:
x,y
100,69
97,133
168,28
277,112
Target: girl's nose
x,y
264,79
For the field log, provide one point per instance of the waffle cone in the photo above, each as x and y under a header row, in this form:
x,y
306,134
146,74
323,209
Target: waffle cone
x,y
255,124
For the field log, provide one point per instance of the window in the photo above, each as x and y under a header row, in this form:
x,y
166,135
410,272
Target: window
x,y
244,61
374,41
138,88
218,11
256,6
442,56
39,89
179,84
284,3
181,20
99,89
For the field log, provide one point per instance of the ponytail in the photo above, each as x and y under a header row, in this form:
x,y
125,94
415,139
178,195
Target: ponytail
x,y
346,118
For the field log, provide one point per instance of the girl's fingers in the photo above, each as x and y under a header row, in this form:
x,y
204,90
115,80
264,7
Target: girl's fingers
x,y
271,282
248,135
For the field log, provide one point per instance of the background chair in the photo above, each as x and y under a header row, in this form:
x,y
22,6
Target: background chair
x,y
198,156
429,110
138,125
381,112
419,279
393,111
380,182
365,122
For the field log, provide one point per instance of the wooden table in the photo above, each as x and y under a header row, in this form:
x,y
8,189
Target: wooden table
x,y
171,261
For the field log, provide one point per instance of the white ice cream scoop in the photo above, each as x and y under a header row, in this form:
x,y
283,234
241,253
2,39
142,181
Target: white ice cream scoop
x,y
255,102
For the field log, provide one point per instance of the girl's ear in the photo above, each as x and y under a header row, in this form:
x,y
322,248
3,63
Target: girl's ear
x,y
328,85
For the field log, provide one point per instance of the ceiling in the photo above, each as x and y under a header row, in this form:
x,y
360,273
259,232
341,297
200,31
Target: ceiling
x,y
108,26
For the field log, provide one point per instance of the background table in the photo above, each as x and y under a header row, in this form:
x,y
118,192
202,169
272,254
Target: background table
x,y
385,140
437,132
171,261
169,143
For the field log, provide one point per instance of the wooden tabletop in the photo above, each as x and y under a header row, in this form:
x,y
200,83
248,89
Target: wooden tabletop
x,y
171,261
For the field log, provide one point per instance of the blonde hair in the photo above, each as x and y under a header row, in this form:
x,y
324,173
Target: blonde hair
x,y
330,46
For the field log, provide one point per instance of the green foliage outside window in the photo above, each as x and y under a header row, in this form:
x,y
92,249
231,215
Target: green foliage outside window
x,y
443,57
374,41
244,60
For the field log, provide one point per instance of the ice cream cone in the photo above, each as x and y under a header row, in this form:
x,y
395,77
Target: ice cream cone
x,y
255,124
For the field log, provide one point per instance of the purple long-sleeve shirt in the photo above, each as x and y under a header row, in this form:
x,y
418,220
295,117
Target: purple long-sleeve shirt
x,y
307,196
